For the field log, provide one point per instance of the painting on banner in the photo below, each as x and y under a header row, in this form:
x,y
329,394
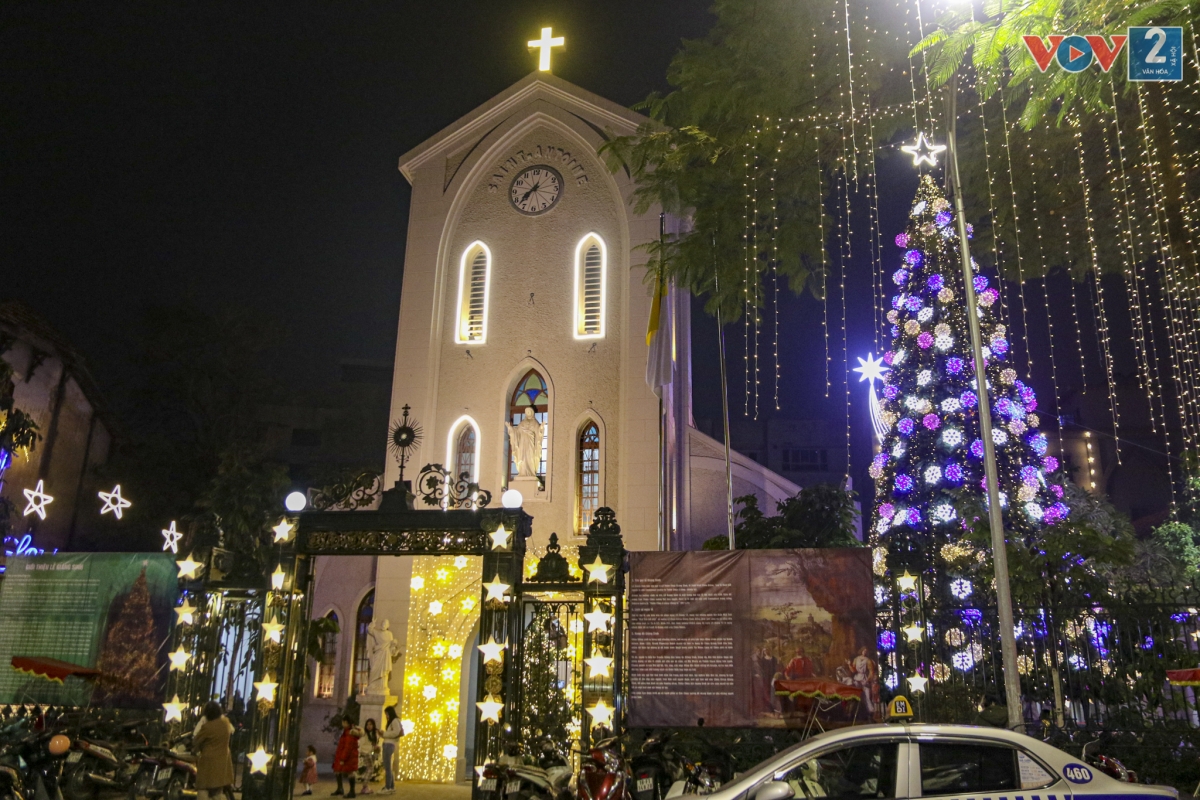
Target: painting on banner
x,y
752,638
86,628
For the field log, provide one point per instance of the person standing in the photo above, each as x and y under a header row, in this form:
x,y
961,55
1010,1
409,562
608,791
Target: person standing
x,y
214,763
368,747
345,760
392,731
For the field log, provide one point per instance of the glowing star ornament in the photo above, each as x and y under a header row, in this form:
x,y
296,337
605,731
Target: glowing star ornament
x,y
38,500
259,760
273,631
492,651
435,608
179,659
913,632
460,562
188,567
277,578
597,570
597,620
543,46
489,709
907,582
174,710
171,538
114,502
601,713
500,538
923,151
266,689
496,589
917,684
872,369
283,531
186,613
599,666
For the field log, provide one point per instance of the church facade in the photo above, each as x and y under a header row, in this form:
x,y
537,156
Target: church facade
x,y
522,352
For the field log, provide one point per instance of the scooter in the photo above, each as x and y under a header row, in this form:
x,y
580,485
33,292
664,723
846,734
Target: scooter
x,y
97,763
1107,764
166,772
604,774
31,765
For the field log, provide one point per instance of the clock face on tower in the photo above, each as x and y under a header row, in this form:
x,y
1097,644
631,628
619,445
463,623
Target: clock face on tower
x,y
536,190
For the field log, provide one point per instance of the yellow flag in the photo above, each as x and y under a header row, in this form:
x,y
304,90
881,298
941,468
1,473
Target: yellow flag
x,y
655,308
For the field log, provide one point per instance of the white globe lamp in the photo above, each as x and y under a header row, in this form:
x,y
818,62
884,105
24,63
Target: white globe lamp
x,y
296,501
511,499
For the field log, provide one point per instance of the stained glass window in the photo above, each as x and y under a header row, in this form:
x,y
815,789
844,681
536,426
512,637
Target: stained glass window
x,y
362,664
587,494
327,669
530,393
464,451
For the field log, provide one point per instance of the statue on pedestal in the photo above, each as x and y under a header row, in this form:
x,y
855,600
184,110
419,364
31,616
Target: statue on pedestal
x,y
382,651
525,441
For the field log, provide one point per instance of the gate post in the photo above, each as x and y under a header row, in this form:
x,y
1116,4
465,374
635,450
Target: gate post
x,y
499,632
602,560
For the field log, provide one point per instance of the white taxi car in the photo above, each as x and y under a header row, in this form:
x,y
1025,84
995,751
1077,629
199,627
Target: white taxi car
x,y
955,762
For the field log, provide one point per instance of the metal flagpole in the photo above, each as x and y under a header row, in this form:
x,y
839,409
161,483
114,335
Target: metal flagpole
x,y
724,404
1008,638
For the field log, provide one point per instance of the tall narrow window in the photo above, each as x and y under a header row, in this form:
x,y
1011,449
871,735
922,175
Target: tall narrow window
x,y
464,452
590,267
362,664
327,669
587,491
530,393
474,277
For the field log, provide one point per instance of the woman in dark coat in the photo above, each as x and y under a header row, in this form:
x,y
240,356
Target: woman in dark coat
x,y
345,760
214,765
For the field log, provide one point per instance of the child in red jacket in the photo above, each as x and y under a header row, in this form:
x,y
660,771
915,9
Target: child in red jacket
x,y
345,760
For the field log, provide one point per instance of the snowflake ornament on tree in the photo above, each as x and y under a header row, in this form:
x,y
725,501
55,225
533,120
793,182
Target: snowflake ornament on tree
x,y
932,403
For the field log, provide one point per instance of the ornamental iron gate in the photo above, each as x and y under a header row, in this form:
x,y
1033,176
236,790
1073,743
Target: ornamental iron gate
x,y
527,679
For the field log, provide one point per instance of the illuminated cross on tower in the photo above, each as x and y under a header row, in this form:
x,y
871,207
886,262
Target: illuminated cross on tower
x,y
544,44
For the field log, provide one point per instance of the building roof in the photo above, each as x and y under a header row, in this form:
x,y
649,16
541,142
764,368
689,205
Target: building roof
x,y
536,85
23,322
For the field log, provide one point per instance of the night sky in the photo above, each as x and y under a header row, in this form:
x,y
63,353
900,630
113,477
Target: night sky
x,y
227,154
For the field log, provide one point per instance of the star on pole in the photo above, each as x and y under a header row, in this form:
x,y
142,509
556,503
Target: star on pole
x,y
923,151
601,713
492,651
597,620
173,709
917,684
283,531
259,760
266,689
186,612
273,631
597,570
38,500
500,538
188,567
171,538
872,369
599,666
489,709
113,502
179,659
496,589
543,45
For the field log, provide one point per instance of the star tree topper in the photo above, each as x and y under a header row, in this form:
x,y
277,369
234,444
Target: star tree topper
x,y
923,151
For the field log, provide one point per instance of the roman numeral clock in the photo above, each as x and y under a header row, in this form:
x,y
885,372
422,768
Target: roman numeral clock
x,y
536,190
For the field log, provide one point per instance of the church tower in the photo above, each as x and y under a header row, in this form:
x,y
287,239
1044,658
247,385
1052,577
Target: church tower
x,y
523,314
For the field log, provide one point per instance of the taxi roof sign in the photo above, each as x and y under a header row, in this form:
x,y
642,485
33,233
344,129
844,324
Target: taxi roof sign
x,y
899,707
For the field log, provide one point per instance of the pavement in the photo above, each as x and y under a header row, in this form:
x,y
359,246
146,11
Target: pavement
x,y
410,790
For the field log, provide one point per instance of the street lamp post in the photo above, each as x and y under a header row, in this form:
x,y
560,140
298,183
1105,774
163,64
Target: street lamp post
x,y
1008,638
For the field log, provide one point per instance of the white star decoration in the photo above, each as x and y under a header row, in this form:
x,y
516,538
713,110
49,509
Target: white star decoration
x,y
599,666
500,538
492,651
907,582
273,631
597,570
601,713
259,760
496,589
186,612
171,538
283,531
38,500
179,659
913,633
917,683
114,502
597,620
188,567
174,709
489,709
923,151
871,370
266,689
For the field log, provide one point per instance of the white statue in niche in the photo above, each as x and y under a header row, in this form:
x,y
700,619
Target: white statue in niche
x,y
525,441
382,651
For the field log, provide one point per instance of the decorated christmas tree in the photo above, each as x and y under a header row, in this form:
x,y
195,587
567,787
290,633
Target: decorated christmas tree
x,y
930,467
129,656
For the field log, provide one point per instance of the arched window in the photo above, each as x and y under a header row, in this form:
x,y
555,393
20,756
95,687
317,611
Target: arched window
x,y
464,452
530,393
327,668
591,263
587,490
474,277
362,664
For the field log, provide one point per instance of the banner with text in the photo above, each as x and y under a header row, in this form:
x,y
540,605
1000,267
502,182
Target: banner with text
x,y
752,638
86,627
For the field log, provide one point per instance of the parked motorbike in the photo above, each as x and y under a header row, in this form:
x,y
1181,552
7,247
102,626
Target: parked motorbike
x,y
97,763
604,774
1107,764
547,779
167,772
31,765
